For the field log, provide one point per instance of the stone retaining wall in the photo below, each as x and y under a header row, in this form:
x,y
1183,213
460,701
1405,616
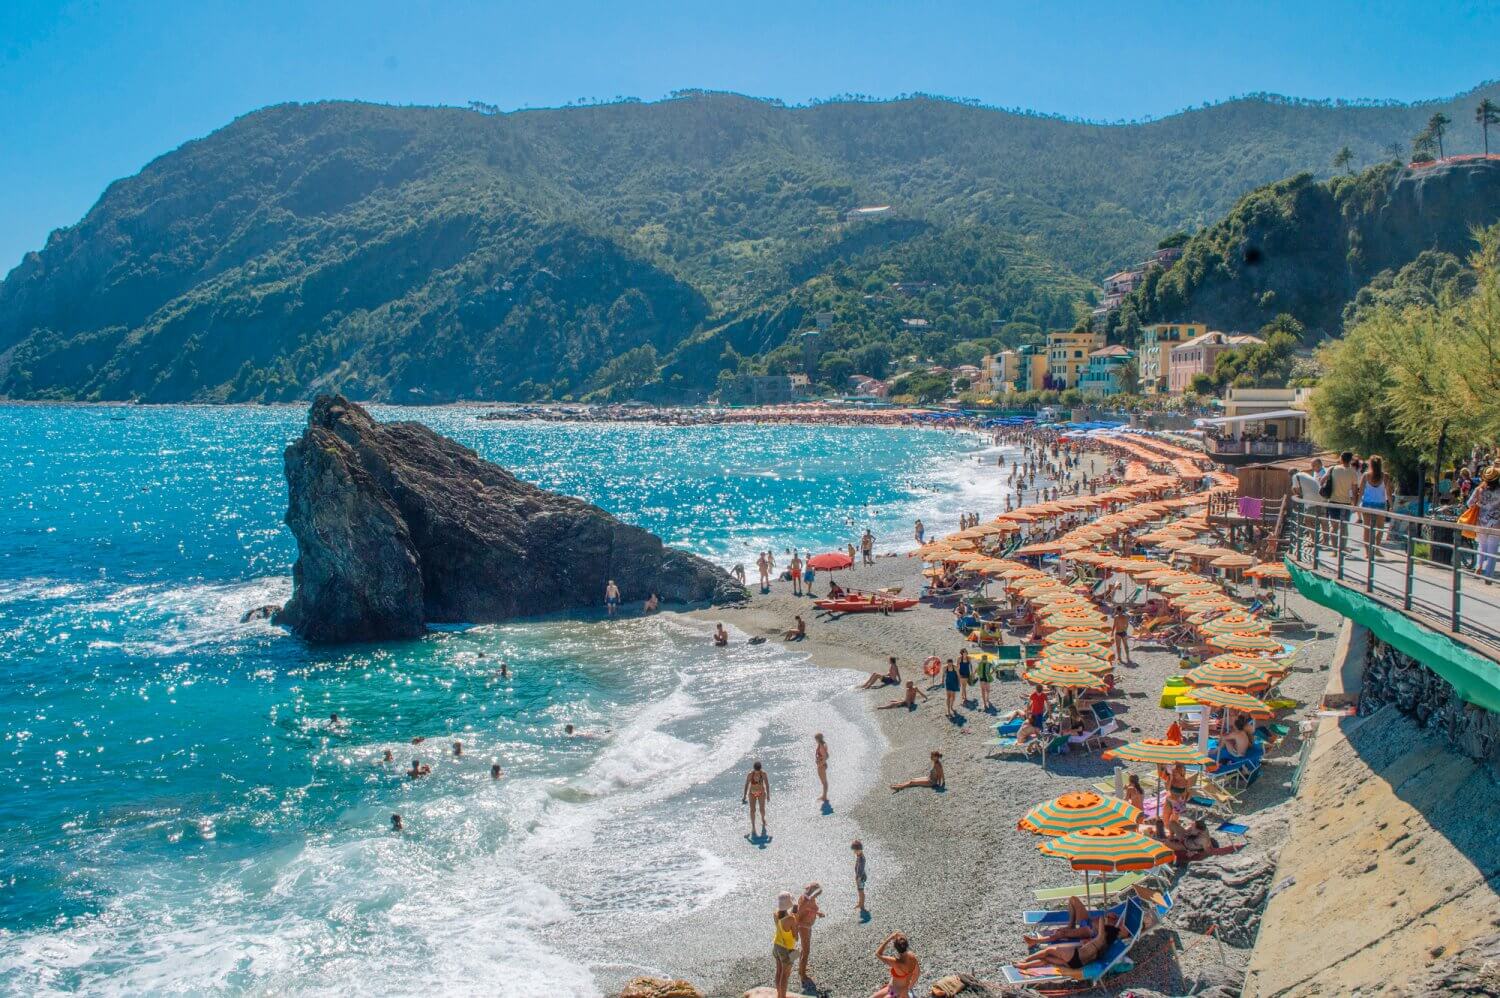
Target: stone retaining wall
x,y
1395,678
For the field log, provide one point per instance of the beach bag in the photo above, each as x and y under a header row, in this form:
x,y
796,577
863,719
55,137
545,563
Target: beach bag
x,y
1325,487
1469,517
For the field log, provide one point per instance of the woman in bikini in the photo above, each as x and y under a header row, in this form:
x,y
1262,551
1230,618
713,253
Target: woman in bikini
x,y
820,759
902,964
757,791
933,779
891,677
1075,956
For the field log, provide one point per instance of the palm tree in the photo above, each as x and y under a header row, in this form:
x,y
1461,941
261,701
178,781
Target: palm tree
x,y
1343,158
1487,114
1437,124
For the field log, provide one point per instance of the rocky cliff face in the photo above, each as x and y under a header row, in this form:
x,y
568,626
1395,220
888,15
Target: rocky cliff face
x,y
397,526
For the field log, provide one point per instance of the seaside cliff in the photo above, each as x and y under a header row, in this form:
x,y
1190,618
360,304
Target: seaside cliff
x,y
397,526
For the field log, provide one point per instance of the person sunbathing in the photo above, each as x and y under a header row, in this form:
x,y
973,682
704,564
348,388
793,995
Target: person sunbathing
x,y
1081,925
1238,741
1027,732
1077,955
909,701
1196,840
891,677
933,779
796,633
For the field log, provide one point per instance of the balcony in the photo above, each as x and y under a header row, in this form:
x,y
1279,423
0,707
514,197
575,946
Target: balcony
x,y
1259,448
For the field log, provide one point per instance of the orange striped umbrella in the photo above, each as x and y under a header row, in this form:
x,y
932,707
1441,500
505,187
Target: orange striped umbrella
x,y
1236,623
1058,598
1078,645
1230,658
1242,641
1269,570
1076,632
1109,849
1157,750
1191,588
1228,696
1076,811
1067,676
1236,675
1096,665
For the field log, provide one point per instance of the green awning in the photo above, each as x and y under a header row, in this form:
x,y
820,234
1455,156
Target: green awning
x,y
1476,678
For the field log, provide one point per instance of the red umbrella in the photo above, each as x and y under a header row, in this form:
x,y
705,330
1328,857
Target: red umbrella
x,y
830,562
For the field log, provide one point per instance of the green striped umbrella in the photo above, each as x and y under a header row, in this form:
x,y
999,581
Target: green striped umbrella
x,y
1236,623
1244,641
1233,699
1076,811
1239,675
1157,750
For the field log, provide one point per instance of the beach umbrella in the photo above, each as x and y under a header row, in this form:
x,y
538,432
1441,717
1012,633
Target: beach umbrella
x,y
1244,641
1238,675
1076,811
1109,850
1079,645
1234,560
1190,588
1230,658
1066,676
1158,751
1046,547
1092,663
833,561
1077,632
1057,597
1269,570
1236,623
1233,699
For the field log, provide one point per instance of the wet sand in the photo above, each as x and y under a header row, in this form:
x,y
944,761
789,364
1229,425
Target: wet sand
x,y
950,869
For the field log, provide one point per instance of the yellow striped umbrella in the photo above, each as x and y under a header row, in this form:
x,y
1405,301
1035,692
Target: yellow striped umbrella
x,y
1238,675
1242,641
1227,696
1066,676
1109,849
1076,811
1056,618
1057,597
1087,661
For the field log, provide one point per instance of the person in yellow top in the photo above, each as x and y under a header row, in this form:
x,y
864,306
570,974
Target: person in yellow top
x,y
784,941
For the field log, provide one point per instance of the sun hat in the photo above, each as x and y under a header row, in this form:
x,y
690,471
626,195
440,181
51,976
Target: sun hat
x,y
783,901
1491,474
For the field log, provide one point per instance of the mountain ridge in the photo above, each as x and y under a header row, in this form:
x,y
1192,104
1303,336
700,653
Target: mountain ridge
x,y
412,253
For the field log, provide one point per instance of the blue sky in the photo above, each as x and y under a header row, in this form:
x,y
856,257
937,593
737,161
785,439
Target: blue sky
x,y
92,91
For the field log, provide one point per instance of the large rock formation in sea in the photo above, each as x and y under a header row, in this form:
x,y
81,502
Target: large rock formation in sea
x,y
397,526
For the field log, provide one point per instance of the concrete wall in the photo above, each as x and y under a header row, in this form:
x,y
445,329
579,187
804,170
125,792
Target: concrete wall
x,y
1389,877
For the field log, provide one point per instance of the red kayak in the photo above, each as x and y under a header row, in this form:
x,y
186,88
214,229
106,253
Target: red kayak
x,y
863,604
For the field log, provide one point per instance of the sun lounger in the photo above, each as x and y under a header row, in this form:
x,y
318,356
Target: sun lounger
x,y
1162,902
1109,961
1094,737
1120,883
1042,746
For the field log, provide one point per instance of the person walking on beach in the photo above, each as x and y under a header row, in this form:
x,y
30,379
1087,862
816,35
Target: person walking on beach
x,y
796,569
784,940
820,759
902,964
611,598
756,792
859,875
808,914
1120,627
965,675
867,546
986,675
762,564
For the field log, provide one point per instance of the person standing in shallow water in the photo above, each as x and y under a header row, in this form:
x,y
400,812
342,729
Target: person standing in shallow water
x,y
756,792
611,598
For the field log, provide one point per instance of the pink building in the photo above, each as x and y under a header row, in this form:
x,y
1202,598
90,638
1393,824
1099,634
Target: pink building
x,y
1198,356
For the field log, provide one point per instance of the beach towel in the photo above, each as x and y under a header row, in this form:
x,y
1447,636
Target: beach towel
x,y
1250,507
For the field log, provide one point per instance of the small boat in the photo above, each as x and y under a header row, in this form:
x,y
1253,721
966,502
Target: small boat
x,y
859,603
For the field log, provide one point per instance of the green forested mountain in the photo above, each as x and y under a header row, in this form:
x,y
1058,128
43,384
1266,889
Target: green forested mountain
x,y
1324,252
439,253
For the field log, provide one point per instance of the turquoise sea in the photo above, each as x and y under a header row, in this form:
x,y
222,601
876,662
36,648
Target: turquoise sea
x,y
184,817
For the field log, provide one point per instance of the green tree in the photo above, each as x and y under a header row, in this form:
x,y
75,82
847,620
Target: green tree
x,y
1438,126
1204,384
1343,158
835,368
1487,113
1423,145
1128,376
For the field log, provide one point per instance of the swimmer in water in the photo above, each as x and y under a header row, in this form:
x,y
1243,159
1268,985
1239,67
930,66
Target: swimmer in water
x,y
388,756
458,748
396,825
721,636
496,772
418,770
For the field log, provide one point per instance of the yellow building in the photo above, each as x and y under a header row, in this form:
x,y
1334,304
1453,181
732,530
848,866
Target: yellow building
x,y
1068,354
1155,355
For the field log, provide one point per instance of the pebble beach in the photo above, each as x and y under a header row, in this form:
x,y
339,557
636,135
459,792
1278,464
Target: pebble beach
x,y
949,868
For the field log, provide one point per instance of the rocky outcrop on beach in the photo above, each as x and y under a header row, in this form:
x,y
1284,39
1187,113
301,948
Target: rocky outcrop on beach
x,y
398,526
1430,700
659,987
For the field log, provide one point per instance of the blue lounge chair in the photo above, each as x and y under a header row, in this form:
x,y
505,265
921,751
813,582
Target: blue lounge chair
x,y
1060,916
1109,961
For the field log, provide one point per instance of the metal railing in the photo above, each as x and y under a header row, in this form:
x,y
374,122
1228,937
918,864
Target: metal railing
x,y
1421,565
1265,448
